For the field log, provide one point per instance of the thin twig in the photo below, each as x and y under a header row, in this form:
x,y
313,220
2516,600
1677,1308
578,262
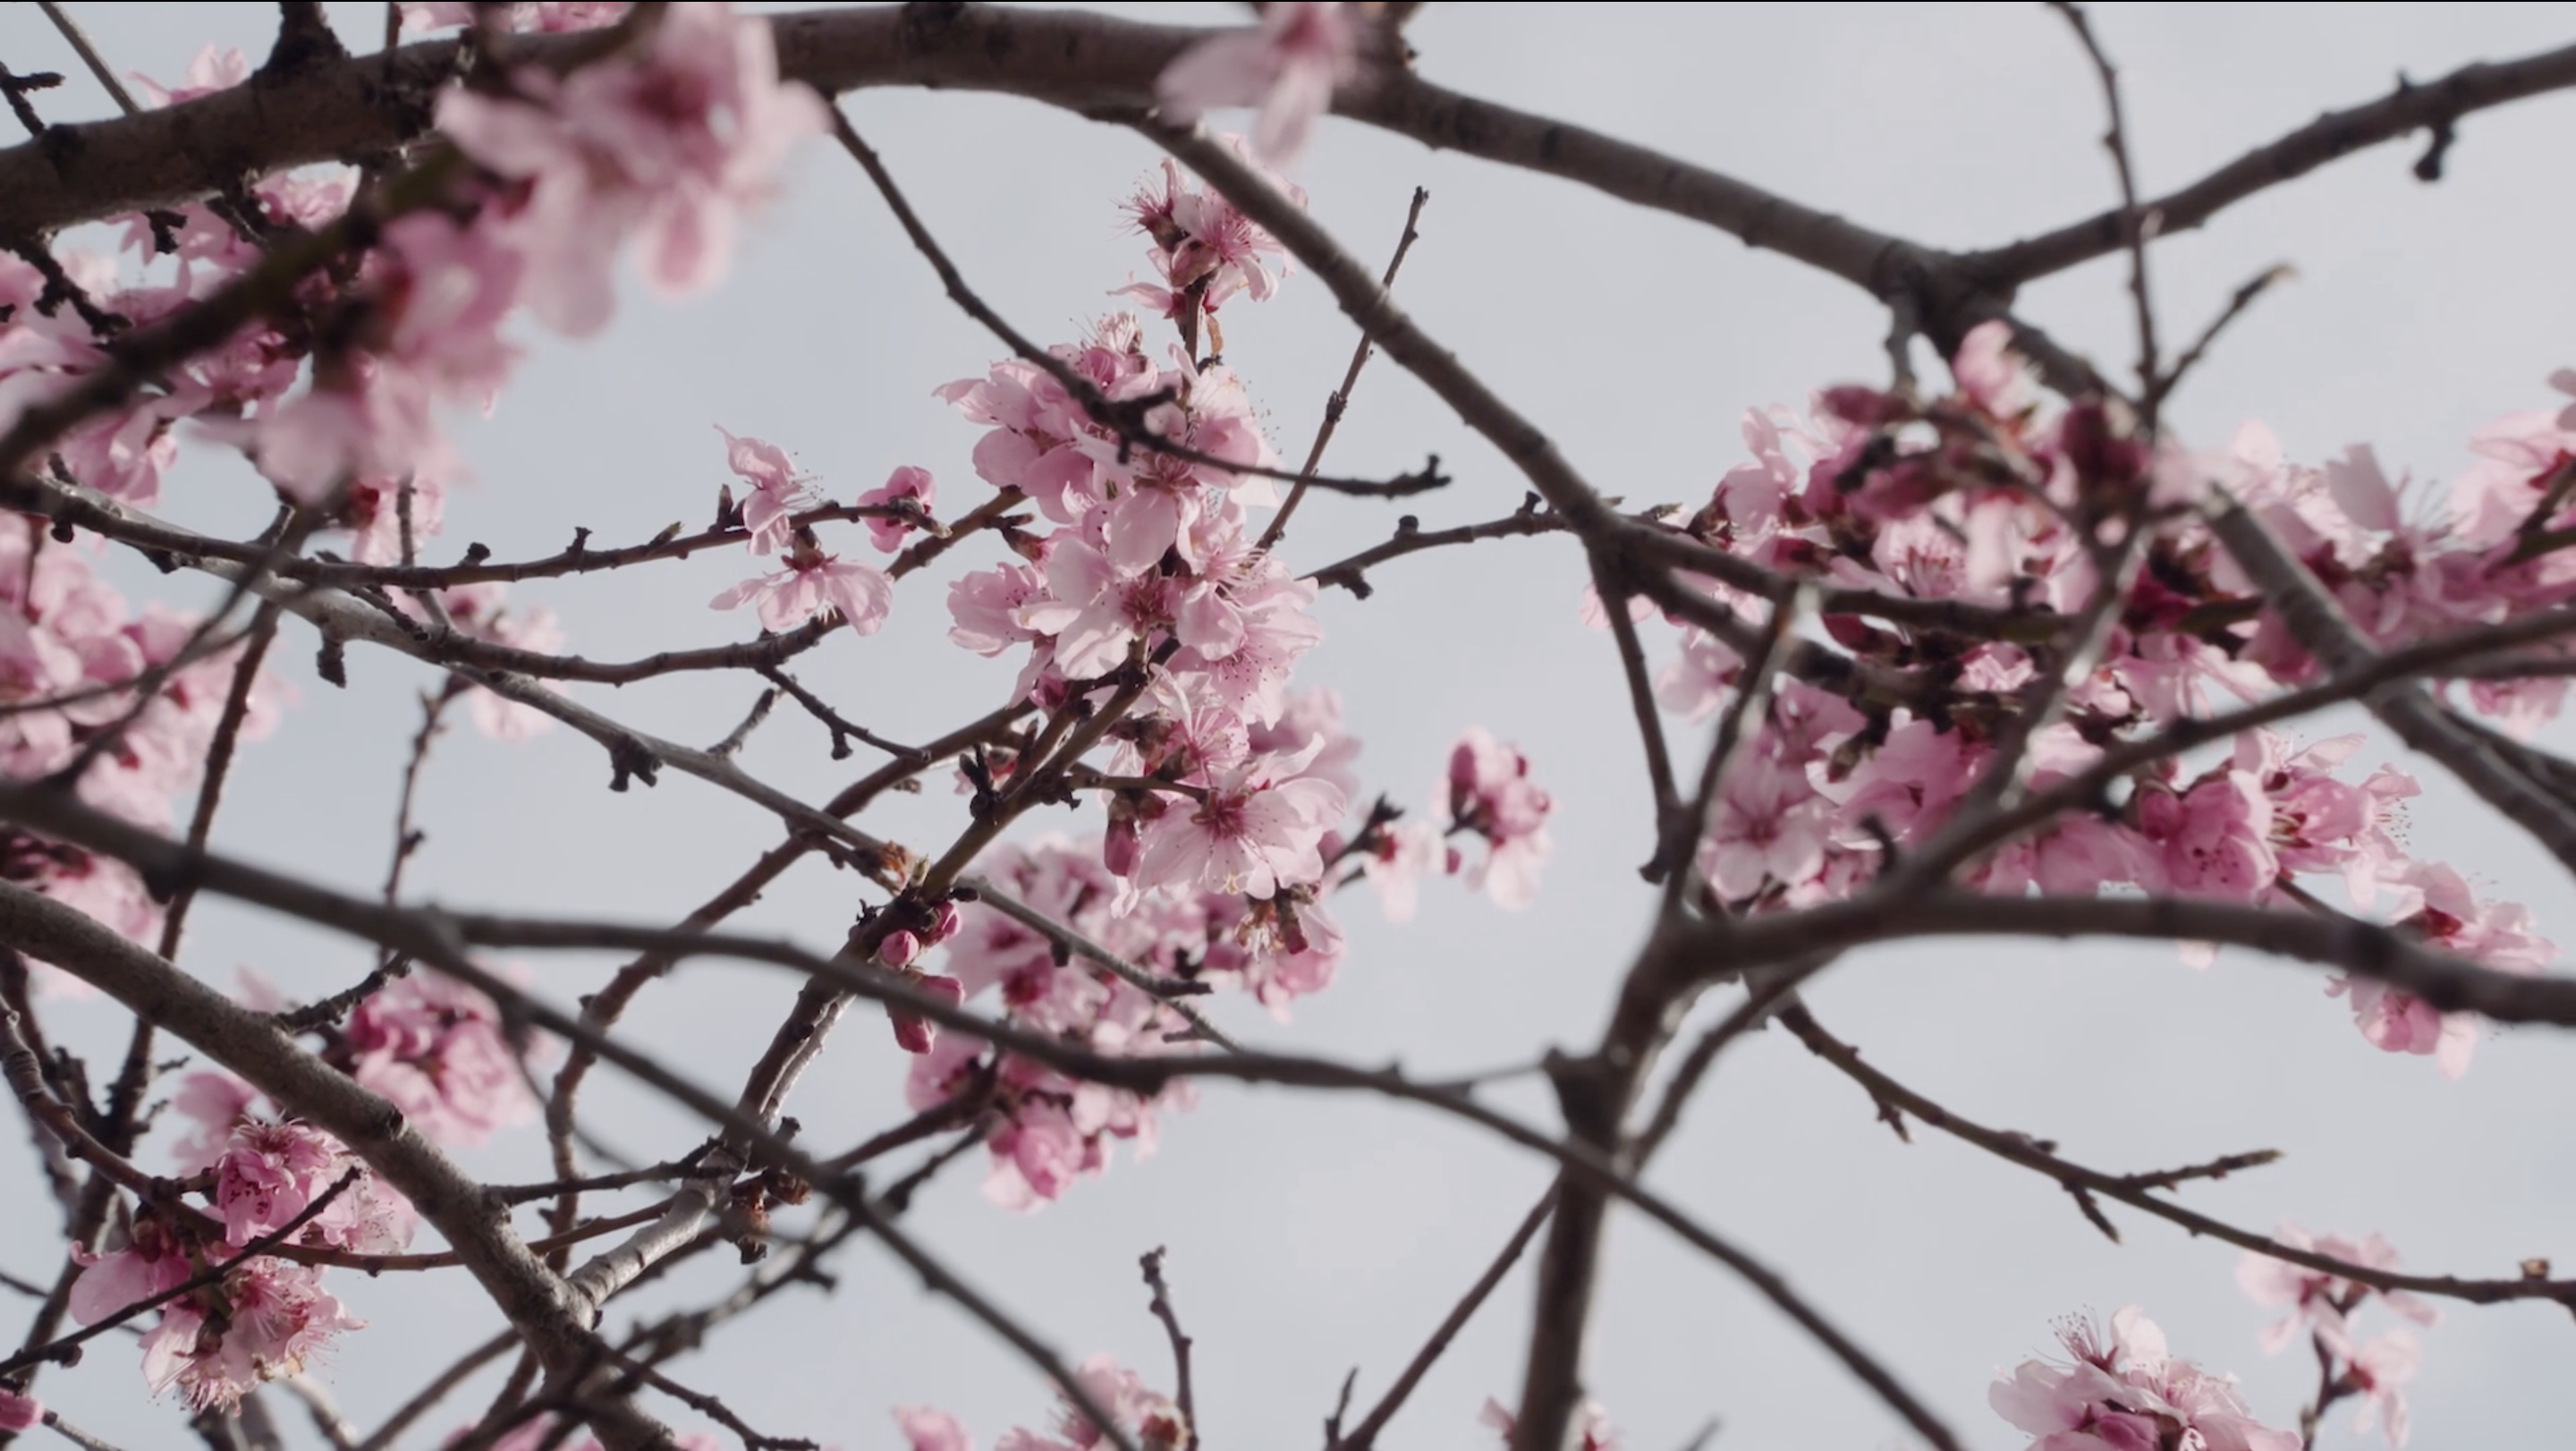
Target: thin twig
x,y
1364,1435
1184,1395
98,66
2135,1190
2262,282
427,1397
1340,401
2135,225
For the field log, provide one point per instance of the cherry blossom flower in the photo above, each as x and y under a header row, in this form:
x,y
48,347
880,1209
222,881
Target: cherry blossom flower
x,y
2127,1394
438,1050
1490,793
209,71
1287,65
526,17
1405,852
905,483
1201,242
1150,1417
1770,828
928,1429
2317,1300
812,582
670,145
2435,904
25,1413
482,611
2378,1372
777,490
1245,834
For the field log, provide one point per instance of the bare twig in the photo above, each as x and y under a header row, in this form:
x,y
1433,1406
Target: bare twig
x,y
2134,1190
1183,1393
1340,401
1365,1434
79,40
2135,224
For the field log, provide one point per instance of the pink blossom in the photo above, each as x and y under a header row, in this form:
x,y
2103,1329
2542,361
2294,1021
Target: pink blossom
x,y
1150,1417
262,1321
276,1316
25,1413
2378,1372
2436,904
1245,834
1990,374
438,1049
1490,793
2127,1394
671,145
904,483
1201,241
927,1429
1406,852
2313,1297
211,70
152,1262
1769,829
912,1032
811,583
2212,840
777,490
526,17
268,1174
1287,66
219,1103
482,612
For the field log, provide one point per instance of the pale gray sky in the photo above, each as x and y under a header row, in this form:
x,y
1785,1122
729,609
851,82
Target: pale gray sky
x,y
1310,1235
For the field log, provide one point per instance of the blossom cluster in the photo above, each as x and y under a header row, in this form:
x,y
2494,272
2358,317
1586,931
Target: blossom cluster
x,y
432,1046
67,635
1148,1417
1226,791
264,1316
1981,500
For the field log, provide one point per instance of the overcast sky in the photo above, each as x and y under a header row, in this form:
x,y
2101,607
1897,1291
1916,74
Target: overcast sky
x,y
1311,1235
